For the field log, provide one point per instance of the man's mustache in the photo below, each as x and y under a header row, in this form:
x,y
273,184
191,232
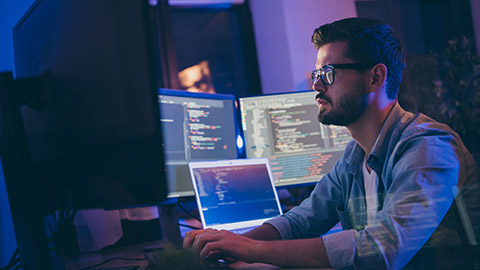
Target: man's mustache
x,y
322,96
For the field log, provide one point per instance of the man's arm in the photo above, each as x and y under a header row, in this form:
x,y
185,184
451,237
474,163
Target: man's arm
x,y
294,253
264,232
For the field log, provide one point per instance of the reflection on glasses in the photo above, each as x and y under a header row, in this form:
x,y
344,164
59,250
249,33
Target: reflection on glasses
x,y
327,74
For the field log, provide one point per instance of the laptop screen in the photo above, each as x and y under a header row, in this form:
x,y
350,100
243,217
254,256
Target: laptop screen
x,y
234,193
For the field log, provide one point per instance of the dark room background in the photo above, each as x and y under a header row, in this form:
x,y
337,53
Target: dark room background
x,y
263,46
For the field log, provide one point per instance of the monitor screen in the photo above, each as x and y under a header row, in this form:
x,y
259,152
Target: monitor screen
x,y
197,127
285,129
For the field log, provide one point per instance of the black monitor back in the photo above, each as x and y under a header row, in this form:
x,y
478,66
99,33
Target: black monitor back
x,y
97,141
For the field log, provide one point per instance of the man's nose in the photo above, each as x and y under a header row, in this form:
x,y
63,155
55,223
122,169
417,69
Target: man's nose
x,y
319,86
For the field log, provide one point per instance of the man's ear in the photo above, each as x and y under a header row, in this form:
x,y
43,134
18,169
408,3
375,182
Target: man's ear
x,y
378,77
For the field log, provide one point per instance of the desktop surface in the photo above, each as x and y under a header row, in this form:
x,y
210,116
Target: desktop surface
x,y
134,257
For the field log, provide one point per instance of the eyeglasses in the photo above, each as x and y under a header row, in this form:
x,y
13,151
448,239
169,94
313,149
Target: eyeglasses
x,y
327,74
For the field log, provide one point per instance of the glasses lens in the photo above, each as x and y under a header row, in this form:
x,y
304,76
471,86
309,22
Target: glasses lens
x,y
327,75
315,76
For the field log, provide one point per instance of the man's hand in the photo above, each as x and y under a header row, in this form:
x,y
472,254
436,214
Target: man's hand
x,y
215,244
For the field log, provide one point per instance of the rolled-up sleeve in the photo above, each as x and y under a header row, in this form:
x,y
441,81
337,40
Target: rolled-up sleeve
x,y
283,227
340,248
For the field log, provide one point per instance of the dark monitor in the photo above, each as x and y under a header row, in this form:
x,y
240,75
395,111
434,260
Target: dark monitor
x,y
197,127
97,141
285,129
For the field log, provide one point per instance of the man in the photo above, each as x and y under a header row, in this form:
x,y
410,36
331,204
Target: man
x,y
392,188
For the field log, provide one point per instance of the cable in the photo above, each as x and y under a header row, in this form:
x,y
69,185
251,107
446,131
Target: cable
x,y
8,266
112,259
16,263
15,259
187,212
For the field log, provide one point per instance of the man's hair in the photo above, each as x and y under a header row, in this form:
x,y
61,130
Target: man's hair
x,y
369,41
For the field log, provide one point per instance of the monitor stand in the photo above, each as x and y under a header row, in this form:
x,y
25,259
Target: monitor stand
x,y
169,223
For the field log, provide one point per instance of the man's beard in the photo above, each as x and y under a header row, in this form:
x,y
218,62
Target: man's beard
x,y
348,109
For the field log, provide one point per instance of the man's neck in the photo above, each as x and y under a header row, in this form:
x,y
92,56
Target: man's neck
x,y
366,129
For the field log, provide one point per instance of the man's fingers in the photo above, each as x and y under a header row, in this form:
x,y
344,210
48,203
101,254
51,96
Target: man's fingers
x,y
211,251
211,243
199,239
202,238
190,237
214,255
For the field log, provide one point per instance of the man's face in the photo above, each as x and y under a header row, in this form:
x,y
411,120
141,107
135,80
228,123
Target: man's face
x,y
342,102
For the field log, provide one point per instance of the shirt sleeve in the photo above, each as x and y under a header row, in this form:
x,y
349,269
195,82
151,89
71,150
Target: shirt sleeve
x,y
283,227
304,222
340,248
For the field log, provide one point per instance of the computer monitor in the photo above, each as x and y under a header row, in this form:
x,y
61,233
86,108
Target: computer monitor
x,y
285,129
97,141
197,127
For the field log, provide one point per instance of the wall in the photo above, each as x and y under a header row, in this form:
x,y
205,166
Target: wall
x,y
283,29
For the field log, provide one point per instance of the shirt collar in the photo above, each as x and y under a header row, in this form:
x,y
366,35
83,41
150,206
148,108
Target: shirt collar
x,y
380,148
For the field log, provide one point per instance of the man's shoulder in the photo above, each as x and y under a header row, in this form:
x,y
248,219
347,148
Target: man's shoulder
x,y
418,135
421,125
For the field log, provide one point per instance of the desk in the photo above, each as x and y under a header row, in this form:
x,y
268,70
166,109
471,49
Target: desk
x,y
85,260
136,252
262,266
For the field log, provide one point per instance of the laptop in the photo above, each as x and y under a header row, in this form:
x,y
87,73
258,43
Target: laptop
x,y
236,195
